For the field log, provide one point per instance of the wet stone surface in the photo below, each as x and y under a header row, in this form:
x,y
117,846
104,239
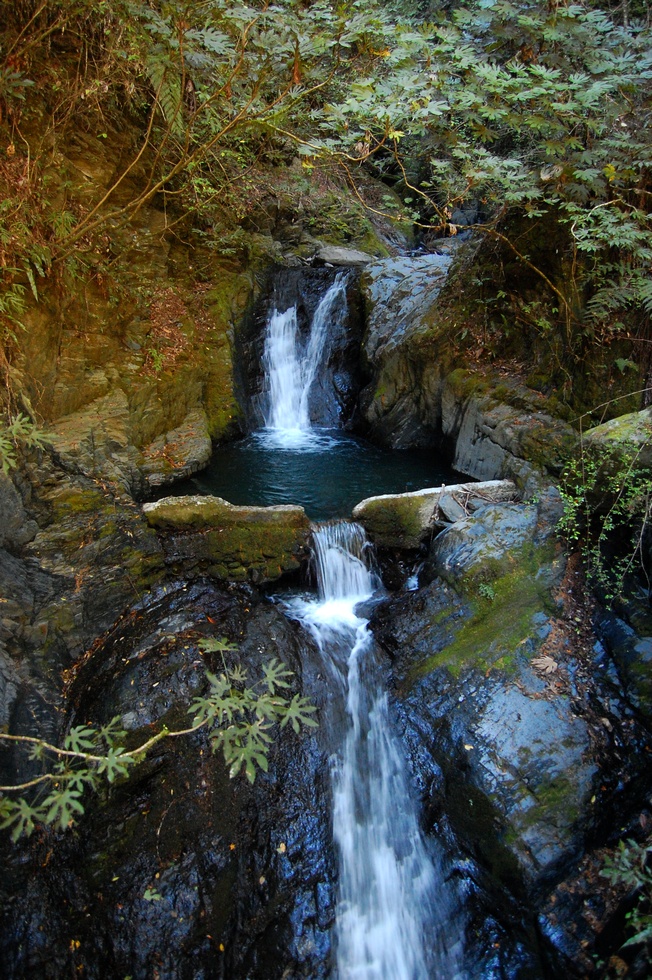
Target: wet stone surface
x,y
180,872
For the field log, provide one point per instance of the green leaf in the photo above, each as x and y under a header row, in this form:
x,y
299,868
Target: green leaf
x,y
61,806
213,645
298,712
20,816
274,674
80,739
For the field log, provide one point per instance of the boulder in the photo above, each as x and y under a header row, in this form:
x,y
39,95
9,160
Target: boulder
x,y
515,716
199,875
205,534
482,541
336,255
633,431
398,292
404,520
179,453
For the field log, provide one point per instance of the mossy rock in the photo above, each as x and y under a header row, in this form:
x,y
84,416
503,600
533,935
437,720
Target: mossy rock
x,y
404,520
232,543
625,433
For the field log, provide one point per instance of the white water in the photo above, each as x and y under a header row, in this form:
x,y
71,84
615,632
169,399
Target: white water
x,y
393,918
291,368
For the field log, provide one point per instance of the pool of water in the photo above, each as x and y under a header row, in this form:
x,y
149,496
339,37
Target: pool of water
x,y
326,471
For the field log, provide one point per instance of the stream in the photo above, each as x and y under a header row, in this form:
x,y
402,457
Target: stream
x,y
394,911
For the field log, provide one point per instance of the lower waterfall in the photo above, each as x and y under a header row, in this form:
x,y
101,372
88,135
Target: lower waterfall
x,y
394,918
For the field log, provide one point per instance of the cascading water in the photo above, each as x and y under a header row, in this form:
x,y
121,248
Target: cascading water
x,y
394,911
297,456
291,367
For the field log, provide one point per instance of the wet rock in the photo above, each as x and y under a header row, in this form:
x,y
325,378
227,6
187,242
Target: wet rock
x,y
233,543
179,453
483,543
339,371
632,657
522,738
180,872
404,520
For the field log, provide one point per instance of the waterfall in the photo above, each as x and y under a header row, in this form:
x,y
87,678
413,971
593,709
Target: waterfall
x,y
394,911
291,366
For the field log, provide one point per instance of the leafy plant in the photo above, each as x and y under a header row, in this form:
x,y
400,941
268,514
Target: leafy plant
x,y
630,866
18,430
486,591
533,117
157,359
607,496
238,718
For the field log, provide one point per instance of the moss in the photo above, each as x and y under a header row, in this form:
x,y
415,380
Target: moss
x,y
74,501
557,802
397,522
497,627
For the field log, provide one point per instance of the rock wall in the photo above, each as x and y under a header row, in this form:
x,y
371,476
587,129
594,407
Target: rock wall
x,y
420,393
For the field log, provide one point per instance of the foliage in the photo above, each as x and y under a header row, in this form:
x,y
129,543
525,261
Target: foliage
x,y
607,496
237,717
530,111
630,866
17,431
486,591
512,111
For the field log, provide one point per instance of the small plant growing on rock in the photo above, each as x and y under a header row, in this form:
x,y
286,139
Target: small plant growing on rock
x,y
630,866
14,432
486,591
607,495
238,718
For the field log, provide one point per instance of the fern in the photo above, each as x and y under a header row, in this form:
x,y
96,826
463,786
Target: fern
x,y
164,77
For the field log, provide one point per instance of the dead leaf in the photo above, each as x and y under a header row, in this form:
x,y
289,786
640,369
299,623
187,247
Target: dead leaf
x,y
545,664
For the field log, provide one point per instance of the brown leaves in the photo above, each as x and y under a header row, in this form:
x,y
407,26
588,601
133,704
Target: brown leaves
x,y
545,664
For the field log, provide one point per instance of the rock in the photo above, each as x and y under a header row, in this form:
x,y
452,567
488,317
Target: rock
x,y
179,453
450,509
398,292
483,543
97,439
493,440
16,528
419,395
230,542
632,431
404,520
336,255
468,694
189,873
515,727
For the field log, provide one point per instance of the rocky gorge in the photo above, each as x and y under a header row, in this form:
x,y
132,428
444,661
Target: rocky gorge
x,y
523,706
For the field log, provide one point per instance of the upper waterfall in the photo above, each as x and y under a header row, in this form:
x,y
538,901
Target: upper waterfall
x,y
291,364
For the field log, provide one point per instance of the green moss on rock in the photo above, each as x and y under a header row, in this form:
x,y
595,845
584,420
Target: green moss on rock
x,y
230,542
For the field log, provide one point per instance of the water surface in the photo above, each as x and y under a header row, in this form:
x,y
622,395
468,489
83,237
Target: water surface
x,y
326,471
